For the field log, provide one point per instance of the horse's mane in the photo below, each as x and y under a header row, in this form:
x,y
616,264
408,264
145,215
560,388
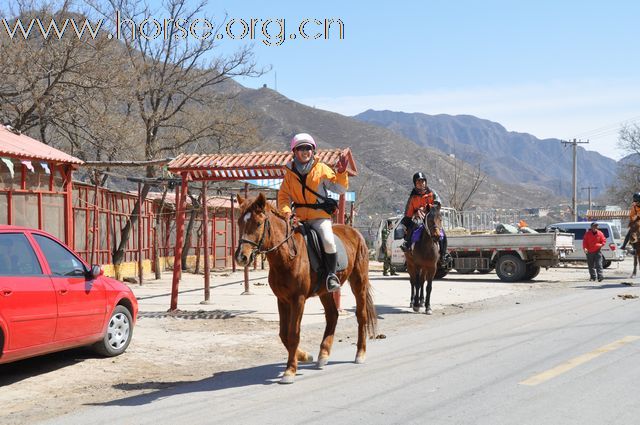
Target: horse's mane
x,y
249,205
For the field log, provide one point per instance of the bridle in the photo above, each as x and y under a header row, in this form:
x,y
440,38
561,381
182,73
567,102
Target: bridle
x,y
257,246
435,235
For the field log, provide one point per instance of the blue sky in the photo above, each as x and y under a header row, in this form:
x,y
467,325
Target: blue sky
x,y
549,68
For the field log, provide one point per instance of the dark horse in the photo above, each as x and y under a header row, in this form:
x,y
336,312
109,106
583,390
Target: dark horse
x,y
634,230
422,259
263,230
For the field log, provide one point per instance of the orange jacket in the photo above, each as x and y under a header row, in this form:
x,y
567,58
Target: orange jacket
x,y
320,178
634,213
417,201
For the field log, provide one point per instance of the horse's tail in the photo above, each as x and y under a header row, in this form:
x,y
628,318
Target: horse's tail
x,y
372,316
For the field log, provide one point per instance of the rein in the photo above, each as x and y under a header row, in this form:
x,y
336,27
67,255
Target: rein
x,y
435,235
258,246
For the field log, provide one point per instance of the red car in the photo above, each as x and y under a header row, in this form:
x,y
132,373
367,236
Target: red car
x,y
51,300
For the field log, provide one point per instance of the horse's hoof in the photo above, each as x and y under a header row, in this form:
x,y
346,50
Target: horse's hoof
x,y
428,311
322,362
287,379
308,359
360,359
416,308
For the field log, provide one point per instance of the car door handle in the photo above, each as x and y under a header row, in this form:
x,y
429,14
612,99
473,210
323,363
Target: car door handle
x,y
7,292
63,291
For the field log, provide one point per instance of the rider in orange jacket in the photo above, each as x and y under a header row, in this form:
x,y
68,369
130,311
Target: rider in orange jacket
x,y
305,186
422,197
634,214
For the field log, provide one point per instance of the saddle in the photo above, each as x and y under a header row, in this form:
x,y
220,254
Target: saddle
x,y
317,254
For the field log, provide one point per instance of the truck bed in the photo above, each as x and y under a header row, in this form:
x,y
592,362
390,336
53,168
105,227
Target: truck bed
x,y
527,241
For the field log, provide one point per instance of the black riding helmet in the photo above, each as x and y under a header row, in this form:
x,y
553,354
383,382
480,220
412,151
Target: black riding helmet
x,y
421,176
636,197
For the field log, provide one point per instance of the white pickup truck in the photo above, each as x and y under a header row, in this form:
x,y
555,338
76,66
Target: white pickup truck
x,y
514,257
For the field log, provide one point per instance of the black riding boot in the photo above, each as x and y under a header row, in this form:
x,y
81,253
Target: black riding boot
x,y
406,245
444,255
626,240
333,283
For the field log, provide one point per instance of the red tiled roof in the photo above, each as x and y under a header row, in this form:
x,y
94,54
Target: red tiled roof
x,y
602,214
253,165
24,147
170,200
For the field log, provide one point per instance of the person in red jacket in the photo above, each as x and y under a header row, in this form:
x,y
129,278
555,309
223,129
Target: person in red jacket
x,y
592,243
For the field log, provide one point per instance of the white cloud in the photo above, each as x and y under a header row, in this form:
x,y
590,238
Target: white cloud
x,y
558,109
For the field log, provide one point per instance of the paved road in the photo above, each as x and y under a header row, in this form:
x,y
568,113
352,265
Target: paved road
x,y
559,358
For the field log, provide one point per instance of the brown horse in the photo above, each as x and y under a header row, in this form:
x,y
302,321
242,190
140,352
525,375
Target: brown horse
x,y
422,259
634,241
263,230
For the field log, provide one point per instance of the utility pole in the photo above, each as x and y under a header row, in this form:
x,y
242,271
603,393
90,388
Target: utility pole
x,y
574,201
588,189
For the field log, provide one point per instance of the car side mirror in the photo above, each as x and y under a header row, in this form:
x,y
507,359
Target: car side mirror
x,y
96,271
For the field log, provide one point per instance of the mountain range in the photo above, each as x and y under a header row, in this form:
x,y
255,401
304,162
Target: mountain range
x,y
389,147
506,155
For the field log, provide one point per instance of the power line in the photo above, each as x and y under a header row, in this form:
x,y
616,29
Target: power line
x,y
609,128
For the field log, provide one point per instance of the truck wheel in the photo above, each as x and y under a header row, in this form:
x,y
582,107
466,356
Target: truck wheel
x,y
606,264
531,272
440,273
510,268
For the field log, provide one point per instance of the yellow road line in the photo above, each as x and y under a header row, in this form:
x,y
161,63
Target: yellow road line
x,y
577,361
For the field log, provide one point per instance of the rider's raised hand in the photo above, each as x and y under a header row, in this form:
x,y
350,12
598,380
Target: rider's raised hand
x,y
341,167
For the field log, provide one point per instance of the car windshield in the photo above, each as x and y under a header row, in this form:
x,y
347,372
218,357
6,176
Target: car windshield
x,y
616,233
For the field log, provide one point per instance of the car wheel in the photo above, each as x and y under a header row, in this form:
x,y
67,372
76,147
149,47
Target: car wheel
x,y
606,264
402,268
118,335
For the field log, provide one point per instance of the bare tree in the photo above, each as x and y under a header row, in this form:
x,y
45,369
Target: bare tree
x,y
462,184
628,172
180,87
43,77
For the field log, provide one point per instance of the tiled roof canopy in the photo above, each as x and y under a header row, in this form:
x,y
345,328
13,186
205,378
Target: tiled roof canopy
x,y
16,145
602,214
254,165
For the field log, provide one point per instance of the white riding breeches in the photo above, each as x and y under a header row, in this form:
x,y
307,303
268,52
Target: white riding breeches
x,y
323,227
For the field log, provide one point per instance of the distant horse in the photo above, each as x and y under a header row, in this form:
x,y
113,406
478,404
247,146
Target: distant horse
x,y
422,259
634,229
263,230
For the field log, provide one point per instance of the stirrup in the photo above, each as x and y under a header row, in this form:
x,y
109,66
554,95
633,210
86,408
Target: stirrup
x,y
333,283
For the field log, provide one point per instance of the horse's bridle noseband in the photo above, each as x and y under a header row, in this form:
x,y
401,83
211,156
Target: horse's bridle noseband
x,y
257,247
